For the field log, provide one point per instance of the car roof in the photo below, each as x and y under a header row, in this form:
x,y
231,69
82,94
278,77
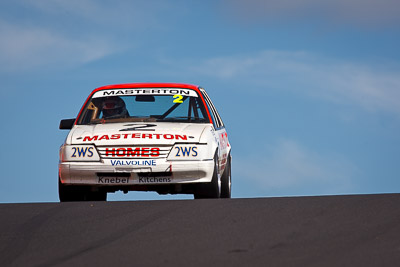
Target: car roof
x,y
148,85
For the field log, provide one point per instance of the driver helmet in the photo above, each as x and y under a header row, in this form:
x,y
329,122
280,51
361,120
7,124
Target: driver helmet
x,y
114,107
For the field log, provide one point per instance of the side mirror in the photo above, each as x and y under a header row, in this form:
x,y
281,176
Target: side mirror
x,y
67,124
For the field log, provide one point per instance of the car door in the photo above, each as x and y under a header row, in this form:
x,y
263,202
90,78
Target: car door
x,y
220,131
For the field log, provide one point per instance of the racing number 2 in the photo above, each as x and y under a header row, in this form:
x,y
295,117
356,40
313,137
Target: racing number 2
x,y
178,99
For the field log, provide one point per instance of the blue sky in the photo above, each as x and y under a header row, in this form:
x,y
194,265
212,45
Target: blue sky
x,y
309,90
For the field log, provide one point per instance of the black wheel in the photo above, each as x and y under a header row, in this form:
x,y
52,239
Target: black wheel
x,y
212,189
226,180
68,193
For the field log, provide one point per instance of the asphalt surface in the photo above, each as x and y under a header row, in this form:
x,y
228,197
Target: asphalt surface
x,y
362,230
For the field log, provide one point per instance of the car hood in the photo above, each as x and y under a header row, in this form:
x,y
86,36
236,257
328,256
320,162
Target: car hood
x,y
136,133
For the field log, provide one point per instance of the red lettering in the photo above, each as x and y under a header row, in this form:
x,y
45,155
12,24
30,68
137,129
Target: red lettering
x,y
121,152
136,135
136,152
133,152
129,152
115,136
155,152
87,138
182,137
112,152
145,152
168,136
104,137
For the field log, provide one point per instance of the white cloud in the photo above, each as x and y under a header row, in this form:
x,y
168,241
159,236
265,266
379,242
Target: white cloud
x,y
366,13
24,48
287,167
59,33
349,83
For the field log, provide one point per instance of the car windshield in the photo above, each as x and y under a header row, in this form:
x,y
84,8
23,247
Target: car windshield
x,y
144,105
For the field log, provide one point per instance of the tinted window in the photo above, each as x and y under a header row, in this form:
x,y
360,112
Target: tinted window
x,y
144,107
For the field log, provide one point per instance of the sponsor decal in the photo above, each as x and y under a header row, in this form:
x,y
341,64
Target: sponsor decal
x,y
145,91
148,180
133,152
133,162
138,127
134,136
82,152
224,140
112,180
186,151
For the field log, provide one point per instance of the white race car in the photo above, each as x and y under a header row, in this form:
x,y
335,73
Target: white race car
x,y
161,137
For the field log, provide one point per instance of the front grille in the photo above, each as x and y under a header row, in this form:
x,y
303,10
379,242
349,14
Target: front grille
x,y
133,152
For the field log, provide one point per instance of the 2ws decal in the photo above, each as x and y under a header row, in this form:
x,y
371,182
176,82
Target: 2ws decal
x,y
186,151
81,152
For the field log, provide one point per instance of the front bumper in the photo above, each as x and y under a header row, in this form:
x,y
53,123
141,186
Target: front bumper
x,y
135,172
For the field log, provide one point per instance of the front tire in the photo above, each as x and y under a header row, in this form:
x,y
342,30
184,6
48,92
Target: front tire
x,y
69,193
226,180
73,193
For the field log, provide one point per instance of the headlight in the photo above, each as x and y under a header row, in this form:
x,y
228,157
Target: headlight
x,y
189,152
78,153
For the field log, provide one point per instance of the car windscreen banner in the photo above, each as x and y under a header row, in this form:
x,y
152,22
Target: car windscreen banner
x,y
145,91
